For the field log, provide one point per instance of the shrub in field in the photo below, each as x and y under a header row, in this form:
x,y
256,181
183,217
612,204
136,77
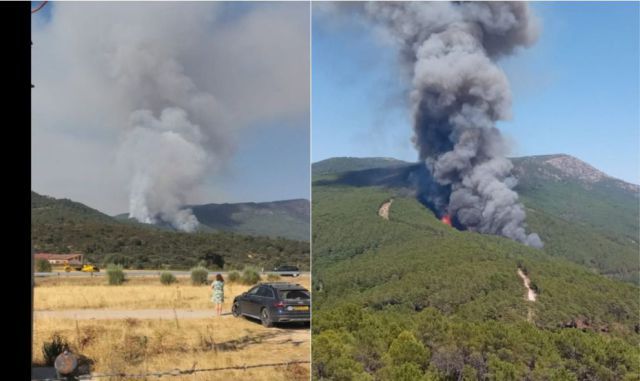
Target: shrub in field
x,y
250,276
52,348
273,277
199,275
167,278
115,274
43,266
134,349
233,276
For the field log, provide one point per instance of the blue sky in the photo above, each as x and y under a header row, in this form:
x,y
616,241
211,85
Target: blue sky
x,y
576,91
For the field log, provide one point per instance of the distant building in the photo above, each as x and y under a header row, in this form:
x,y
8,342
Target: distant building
x,y
61,259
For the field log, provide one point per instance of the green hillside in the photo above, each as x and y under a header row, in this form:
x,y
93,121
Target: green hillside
x,y
410,298
62,226
581,214
286,219
45,209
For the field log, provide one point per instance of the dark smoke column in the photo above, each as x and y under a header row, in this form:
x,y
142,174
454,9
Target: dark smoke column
x,y
458,95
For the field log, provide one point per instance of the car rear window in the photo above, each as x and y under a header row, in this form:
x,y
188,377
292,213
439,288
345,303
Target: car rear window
x,y
293,294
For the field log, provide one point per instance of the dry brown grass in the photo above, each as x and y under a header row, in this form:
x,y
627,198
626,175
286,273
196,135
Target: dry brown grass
x,y
137,346
137,293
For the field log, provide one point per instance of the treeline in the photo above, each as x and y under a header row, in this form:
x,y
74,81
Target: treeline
x,y
64,226
141,248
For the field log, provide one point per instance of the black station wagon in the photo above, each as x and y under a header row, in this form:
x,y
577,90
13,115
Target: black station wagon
x,y
277,302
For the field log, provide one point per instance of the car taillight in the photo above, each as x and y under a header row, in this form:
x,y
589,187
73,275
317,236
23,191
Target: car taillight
x,y
279,304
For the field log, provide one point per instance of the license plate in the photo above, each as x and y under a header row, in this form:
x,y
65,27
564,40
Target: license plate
x,y
301,308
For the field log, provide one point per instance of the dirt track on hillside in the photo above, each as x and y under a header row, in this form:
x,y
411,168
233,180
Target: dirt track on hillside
x,y
384,209
531,295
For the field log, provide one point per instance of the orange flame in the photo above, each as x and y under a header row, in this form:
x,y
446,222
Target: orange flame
x,y
446,219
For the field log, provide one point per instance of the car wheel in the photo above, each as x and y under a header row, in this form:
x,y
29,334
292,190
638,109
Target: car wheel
x,y
235,310
265,318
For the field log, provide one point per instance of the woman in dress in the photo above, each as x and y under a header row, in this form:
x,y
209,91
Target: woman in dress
x,y
218,293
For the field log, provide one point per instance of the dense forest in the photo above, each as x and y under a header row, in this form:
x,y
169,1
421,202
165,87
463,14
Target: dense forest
x,y
63,226
594,224
410,298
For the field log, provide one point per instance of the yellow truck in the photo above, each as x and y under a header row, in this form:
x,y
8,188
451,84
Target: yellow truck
x,y
84,268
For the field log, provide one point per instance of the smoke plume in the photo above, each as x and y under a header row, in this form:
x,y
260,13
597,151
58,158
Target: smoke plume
x,y
164,149
458,95
166,155
167,88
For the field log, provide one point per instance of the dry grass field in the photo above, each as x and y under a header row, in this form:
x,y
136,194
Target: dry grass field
x,y
149,345
136,293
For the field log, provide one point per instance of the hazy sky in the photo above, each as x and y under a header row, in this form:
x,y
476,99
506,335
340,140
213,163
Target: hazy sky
x,y
576,91
240,70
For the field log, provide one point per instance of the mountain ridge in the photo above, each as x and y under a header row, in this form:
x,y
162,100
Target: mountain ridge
x,y
564,162
285,218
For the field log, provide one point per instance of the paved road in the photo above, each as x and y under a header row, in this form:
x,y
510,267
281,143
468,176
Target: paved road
x,y
135,273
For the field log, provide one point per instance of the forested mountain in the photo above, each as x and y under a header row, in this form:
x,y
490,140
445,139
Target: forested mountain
x,y
410,298
63,226
579,212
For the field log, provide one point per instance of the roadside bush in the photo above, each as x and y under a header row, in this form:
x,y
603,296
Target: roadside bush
x,y
52,348
115,274
167,278
199,275
250,276
233,276
43,266
273,277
